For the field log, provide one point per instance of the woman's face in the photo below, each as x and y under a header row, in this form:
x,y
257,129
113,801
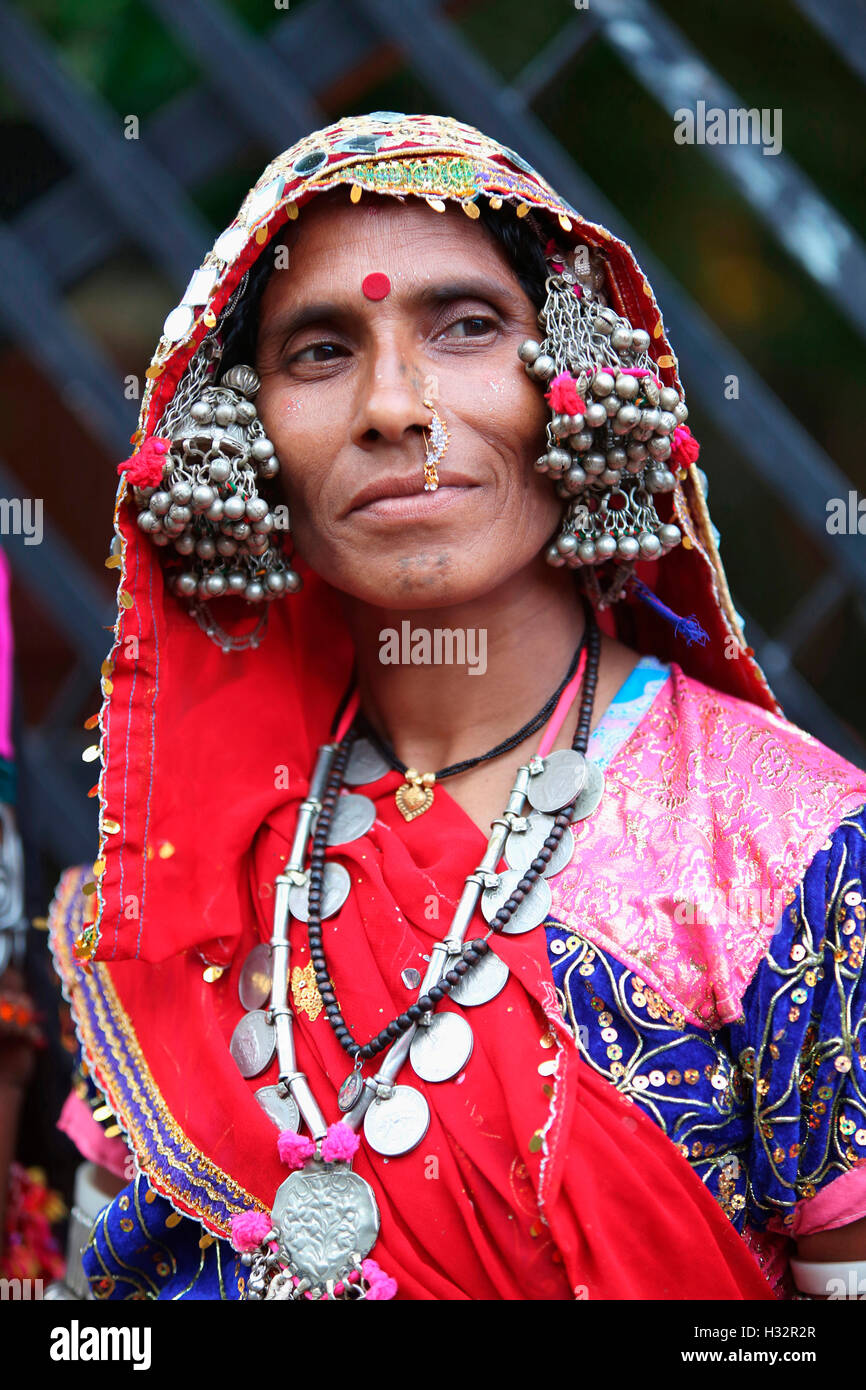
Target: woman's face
x,y
344,378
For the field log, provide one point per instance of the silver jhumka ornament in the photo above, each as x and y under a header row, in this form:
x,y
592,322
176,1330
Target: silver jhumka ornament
x,y
610,458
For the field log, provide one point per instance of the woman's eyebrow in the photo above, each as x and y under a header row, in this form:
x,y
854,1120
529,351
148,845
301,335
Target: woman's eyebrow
x,y
290,321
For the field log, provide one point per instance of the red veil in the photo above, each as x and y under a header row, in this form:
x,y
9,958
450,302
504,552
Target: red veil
x,y
531,1182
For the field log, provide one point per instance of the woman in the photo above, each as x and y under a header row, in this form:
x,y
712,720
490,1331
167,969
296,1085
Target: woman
x,y
659,994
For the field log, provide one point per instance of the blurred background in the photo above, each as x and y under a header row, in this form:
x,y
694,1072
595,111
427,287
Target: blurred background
x,y
133,128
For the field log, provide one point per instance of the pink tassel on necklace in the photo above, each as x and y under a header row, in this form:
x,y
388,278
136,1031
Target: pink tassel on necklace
x,y
294,1149
249,1229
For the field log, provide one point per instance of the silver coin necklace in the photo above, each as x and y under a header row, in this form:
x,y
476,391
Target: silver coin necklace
x,y
290,1257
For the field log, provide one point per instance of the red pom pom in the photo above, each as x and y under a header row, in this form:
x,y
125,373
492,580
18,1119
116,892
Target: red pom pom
x,y
686,448
145,468
562,396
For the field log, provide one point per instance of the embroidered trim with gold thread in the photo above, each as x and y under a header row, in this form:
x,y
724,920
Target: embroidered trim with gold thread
x,y
163,1151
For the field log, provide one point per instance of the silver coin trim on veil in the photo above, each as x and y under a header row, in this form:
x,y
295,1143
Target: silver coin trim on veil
x,y
561,781
281,1109
326,1216
336,886
397,1125
253,1043
530,913
354,816
442,1048
365,764
522,846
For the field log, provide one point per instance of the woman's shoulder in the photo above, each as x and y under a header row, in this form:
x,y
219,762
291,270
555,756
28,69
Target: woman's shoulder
x,y
715,809
725,734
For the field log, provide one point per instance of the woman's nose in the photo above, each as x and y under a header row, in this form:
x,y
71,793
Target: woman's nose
x,y
391,396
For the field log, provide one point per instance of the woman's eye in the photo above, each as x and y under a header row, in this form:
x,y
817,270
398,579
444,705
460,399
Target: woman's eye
x,y
330,349
473,326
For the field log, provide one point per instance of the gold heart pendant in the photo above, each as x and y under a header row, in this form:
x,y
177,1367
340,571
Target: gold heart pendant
x,y
413,800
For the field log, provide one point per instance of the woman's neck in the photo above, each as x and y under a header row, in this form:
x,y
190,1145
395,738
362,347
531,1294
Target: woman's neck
x,y
444,684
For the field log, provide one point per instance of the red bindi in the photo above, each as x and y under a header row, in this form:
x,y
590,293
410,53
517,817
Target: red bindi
x,y
376,286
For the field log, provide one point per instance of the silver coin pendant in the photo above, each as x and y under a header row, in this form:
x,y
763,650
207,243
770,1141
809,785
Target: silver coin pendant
x,y
336,887
529,914
441,1048
253,1043
365,764
560,782
397,1125
279,1107
482,983
254,981
522,846
590,794
354,816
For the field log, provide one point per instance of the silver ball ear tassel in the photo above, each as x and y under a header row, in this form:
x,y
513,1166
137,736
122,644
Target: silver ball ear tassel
x,y
208,506
609,460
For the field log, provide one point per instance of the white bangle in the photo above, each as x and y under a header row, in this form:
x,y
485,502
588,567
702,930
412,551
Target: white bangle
x,y
841,1279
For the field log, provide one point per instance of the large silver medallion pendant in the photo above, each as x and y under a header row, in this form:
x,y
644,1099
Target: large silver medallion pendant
x,y
328,1221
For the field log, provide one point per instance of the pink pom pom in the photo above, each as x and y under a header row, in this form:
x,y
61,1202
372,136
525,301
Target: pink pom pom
x,y
249,1229
685,447
294,1149
382,1286
563,397
341,1143
145,468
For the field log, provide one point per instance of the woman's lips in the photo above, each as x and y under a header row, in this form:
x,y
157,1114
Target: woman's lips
x,y
418,506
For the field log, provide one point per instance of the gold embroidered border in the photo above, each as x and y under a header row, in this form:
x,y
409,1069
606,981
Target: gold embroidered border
x,y
91,995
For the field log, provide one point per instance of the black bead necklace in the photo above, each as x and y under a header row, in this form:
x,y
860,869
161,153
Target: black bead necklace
x,y
531,725
475,950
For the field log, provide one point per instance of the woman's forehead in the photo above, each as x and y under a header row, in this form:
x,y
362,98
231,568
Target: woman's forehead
x,y
407,241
